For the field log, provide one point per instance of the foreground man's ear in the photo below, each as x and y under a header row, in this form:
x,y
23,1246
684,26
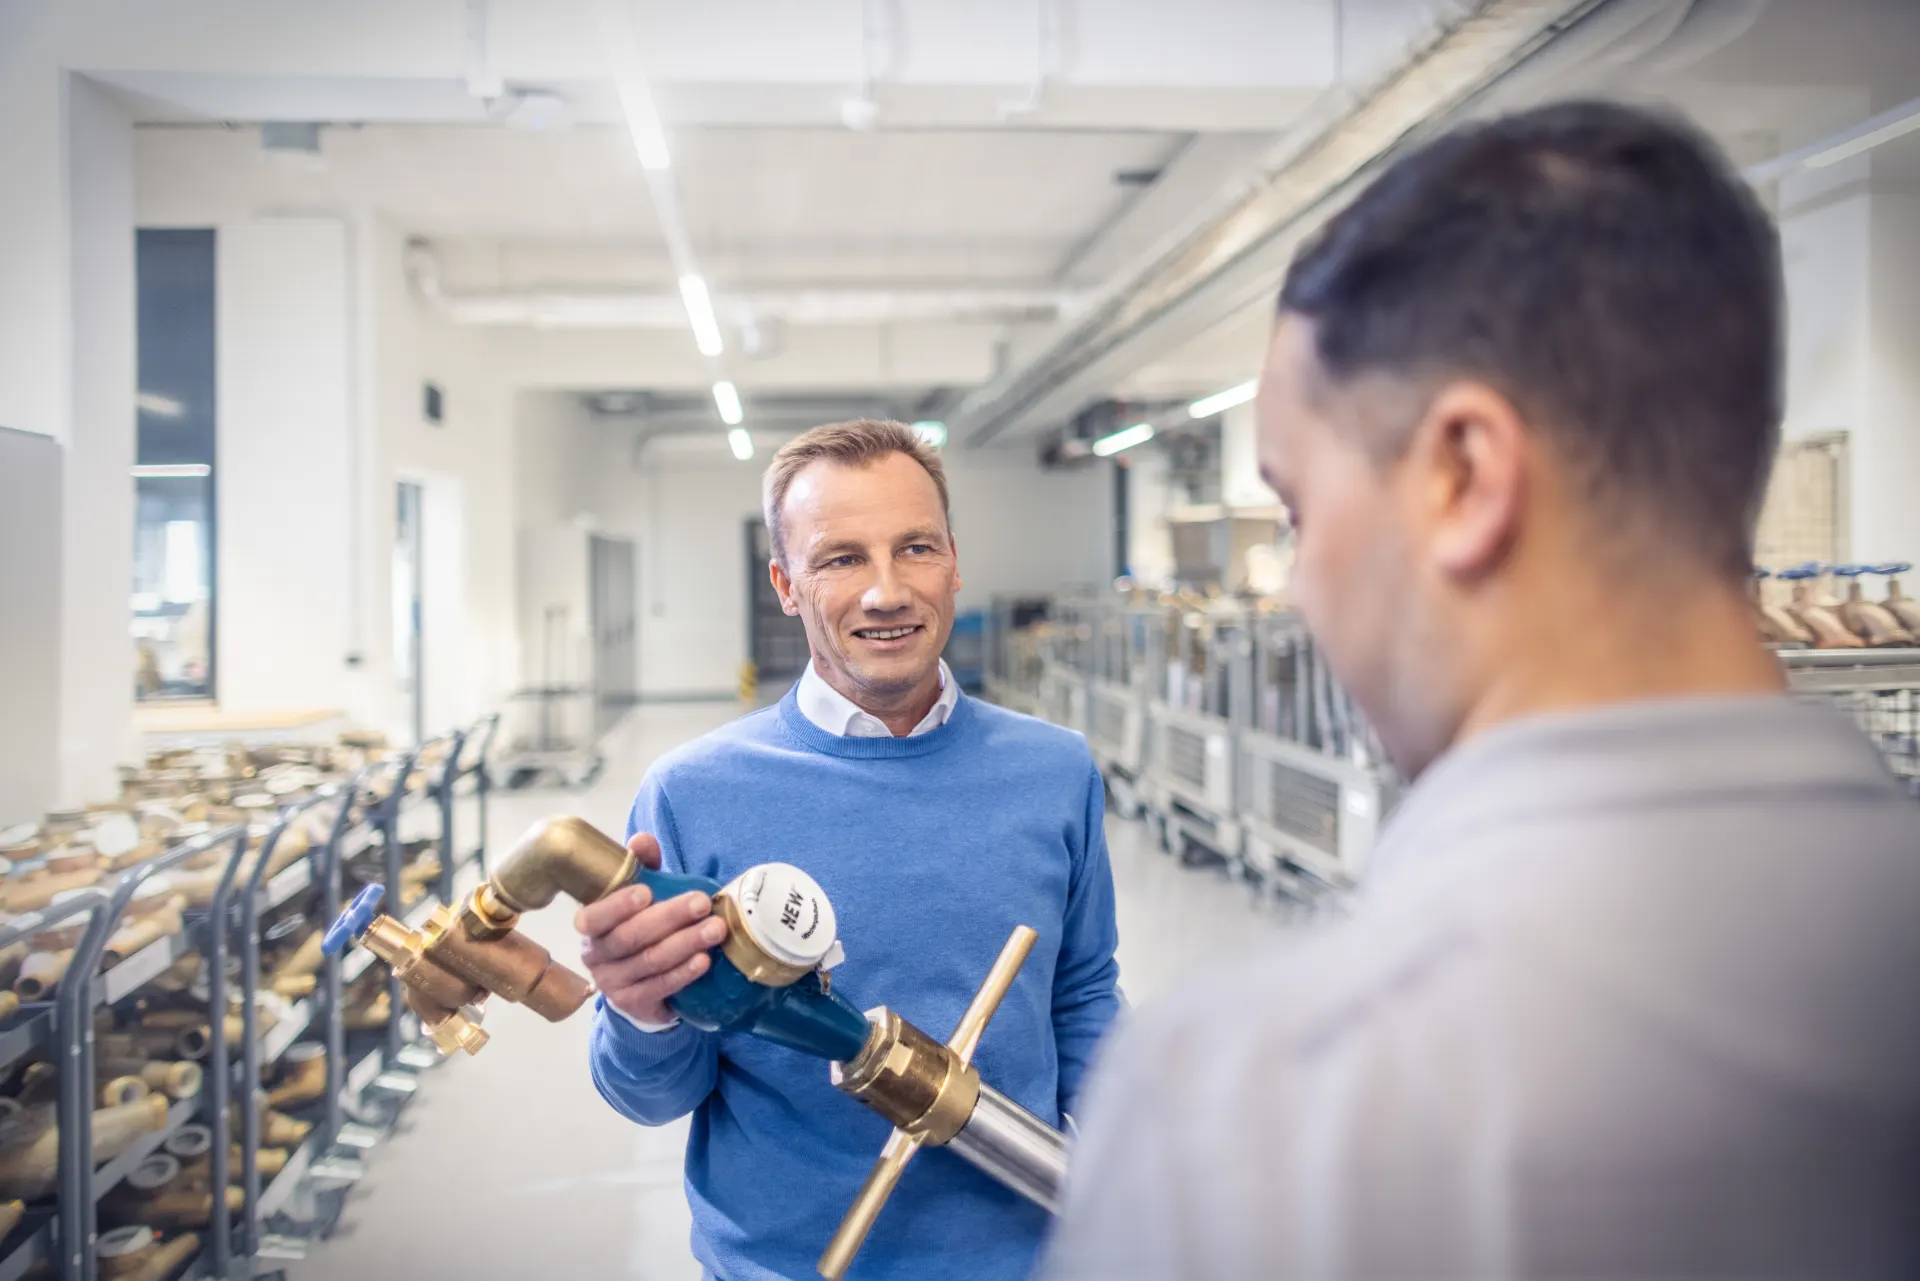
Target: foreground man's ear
x,y
1471,457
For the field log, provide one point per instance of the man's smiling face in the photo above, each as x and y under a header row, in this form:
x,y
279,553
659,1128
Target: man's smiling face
x,y
870,568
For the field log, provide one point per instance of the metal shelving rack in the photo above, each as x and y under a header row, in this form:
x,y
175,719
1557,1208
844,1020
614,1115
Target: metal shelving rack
x,y
63,1029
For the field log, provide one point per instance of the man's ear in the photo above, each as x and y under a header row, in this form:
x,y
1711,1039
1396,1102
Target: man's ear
x,y
1469,460
953,546
783,585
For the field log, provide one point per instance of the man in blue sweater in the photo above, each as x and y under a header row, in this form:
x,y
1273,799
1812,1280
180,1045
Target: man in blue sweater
x,y
934,823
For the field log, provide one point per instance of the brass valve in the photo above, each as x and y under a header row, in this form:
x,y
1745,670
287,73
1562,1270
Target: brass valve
x,y
926,1089
455,960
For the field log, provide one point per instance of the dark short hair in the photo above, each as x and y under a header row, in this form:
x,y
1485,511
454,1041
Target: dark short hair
x,y
856,443
1605,268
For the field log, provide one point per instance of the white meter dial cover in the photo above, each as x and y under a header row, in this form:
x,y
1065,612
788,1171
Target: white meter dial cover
x,y
786,912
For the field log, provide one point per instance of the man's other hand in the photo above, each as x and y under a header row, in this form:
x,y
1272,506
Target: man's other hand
x,y
640,952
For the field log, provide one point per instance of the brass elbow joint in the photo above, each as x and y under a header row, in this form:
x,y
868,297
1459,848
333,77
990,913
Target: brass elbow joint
x,y
556,856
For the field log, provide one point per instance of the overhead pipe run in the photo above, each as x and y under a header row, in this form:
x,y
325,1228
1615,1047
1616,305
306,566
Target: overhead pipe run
x,y
1455,61
668,309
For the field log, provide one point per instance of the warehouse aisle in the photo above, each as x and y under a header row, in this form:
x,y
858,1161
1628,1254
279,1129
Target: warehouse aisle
x,y
509,1166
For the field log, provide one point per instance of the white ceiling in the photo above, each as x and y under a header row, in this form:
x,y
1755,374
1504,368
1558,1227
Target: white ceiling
x,y
994,162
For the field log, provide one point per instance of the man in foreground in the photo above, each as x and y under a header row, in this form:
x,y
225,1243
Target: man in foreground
x,y
1635,988
935,824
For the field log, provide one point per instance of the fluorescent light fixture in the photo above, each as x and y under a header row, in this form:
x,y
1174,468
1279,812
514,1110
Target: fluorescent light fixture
x,y
741,443
643,122
932,432
1882,128
1220,401
727,397
152,402
706,329
1125,438
172,471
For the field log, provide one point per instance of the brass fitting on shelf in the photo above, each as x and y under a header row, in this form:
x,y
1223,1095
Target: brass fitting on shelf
x,y
303,1075
123,1089
11,1212
133,1253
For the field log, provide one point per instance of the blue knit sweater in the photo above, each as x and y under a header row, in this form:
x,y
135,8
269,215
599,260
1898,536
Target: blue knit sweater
x,y
931,848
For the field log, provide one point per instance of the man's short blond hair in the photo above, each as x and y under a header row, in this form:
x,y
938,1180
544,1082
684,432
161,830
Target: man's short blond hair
x,y
857,443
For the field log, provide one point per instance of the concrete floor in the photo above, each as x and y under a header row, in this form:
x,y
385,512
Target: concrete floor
x,y
508,1165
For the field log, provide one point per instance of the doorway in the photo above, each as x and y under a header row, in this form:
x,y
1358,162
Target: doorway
x,y
614,617
408,573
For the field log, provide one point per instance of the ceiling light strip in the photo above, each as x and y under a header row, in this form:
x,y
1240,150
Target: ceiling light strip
x,y
1221,401
1125,438
727,398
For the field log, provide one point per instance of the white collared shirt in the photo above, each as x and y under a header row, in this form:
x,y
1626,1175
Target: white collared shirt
x,y
834,712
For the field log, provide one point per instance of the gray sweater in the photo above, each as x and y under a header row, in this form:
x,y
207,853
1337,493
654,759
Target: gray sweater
x,y
1632,993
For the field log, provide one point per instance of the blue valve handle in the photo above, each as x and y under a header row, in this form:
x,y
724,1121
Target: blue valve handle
x,y
1899,568
354,921
1799,572
1849,571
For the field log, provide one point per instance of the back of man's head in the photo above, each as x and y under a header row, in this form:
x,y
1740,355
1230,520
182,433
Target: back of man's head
x,y
1605,269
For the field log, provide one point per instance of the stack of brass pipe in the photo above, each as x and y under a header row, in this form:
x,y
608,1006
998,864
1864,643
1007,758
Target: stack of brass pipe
x,y
295,971
30,1144
136,1253
302,1077
158,1194
49,952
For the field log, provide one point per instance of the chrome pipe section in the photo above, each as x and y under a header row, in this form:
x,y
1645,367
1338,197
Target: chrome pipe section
x,y
1015,1147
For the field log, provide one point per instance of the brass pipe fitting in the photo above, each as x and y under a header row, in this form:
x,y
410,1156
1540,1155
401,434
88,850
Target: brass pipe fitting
x,y
303,1075
9,1005
123,1089
40,973
293,977
11,1212
918,1084
560,855
144,930
135,1256
36,890
175,1080
30,1163
277,1129
511,966
10,958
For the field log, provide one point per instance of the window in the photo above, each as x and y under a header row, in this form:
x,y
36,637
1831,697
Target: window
x,y
174,484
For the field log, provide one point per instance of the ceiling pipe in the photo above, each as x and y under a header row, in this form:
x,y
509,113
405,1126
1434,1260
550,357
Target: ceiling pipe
x,y
1340,140
663,308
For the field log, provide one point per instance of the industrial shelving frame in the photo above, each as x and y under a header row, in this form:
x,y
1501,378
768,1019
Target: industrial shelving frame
x,y
63,1028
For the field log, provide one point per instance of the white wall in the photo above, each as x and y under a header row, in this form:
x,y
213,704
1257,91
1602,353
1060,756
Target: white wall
x,y
34,331
1886,486
96,676
686,504
1240,482
284,451
465,465
1851,246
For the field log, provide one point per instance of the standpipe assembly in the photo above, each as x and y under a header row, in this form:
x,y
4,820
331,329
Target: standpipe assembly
x,y
770,977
